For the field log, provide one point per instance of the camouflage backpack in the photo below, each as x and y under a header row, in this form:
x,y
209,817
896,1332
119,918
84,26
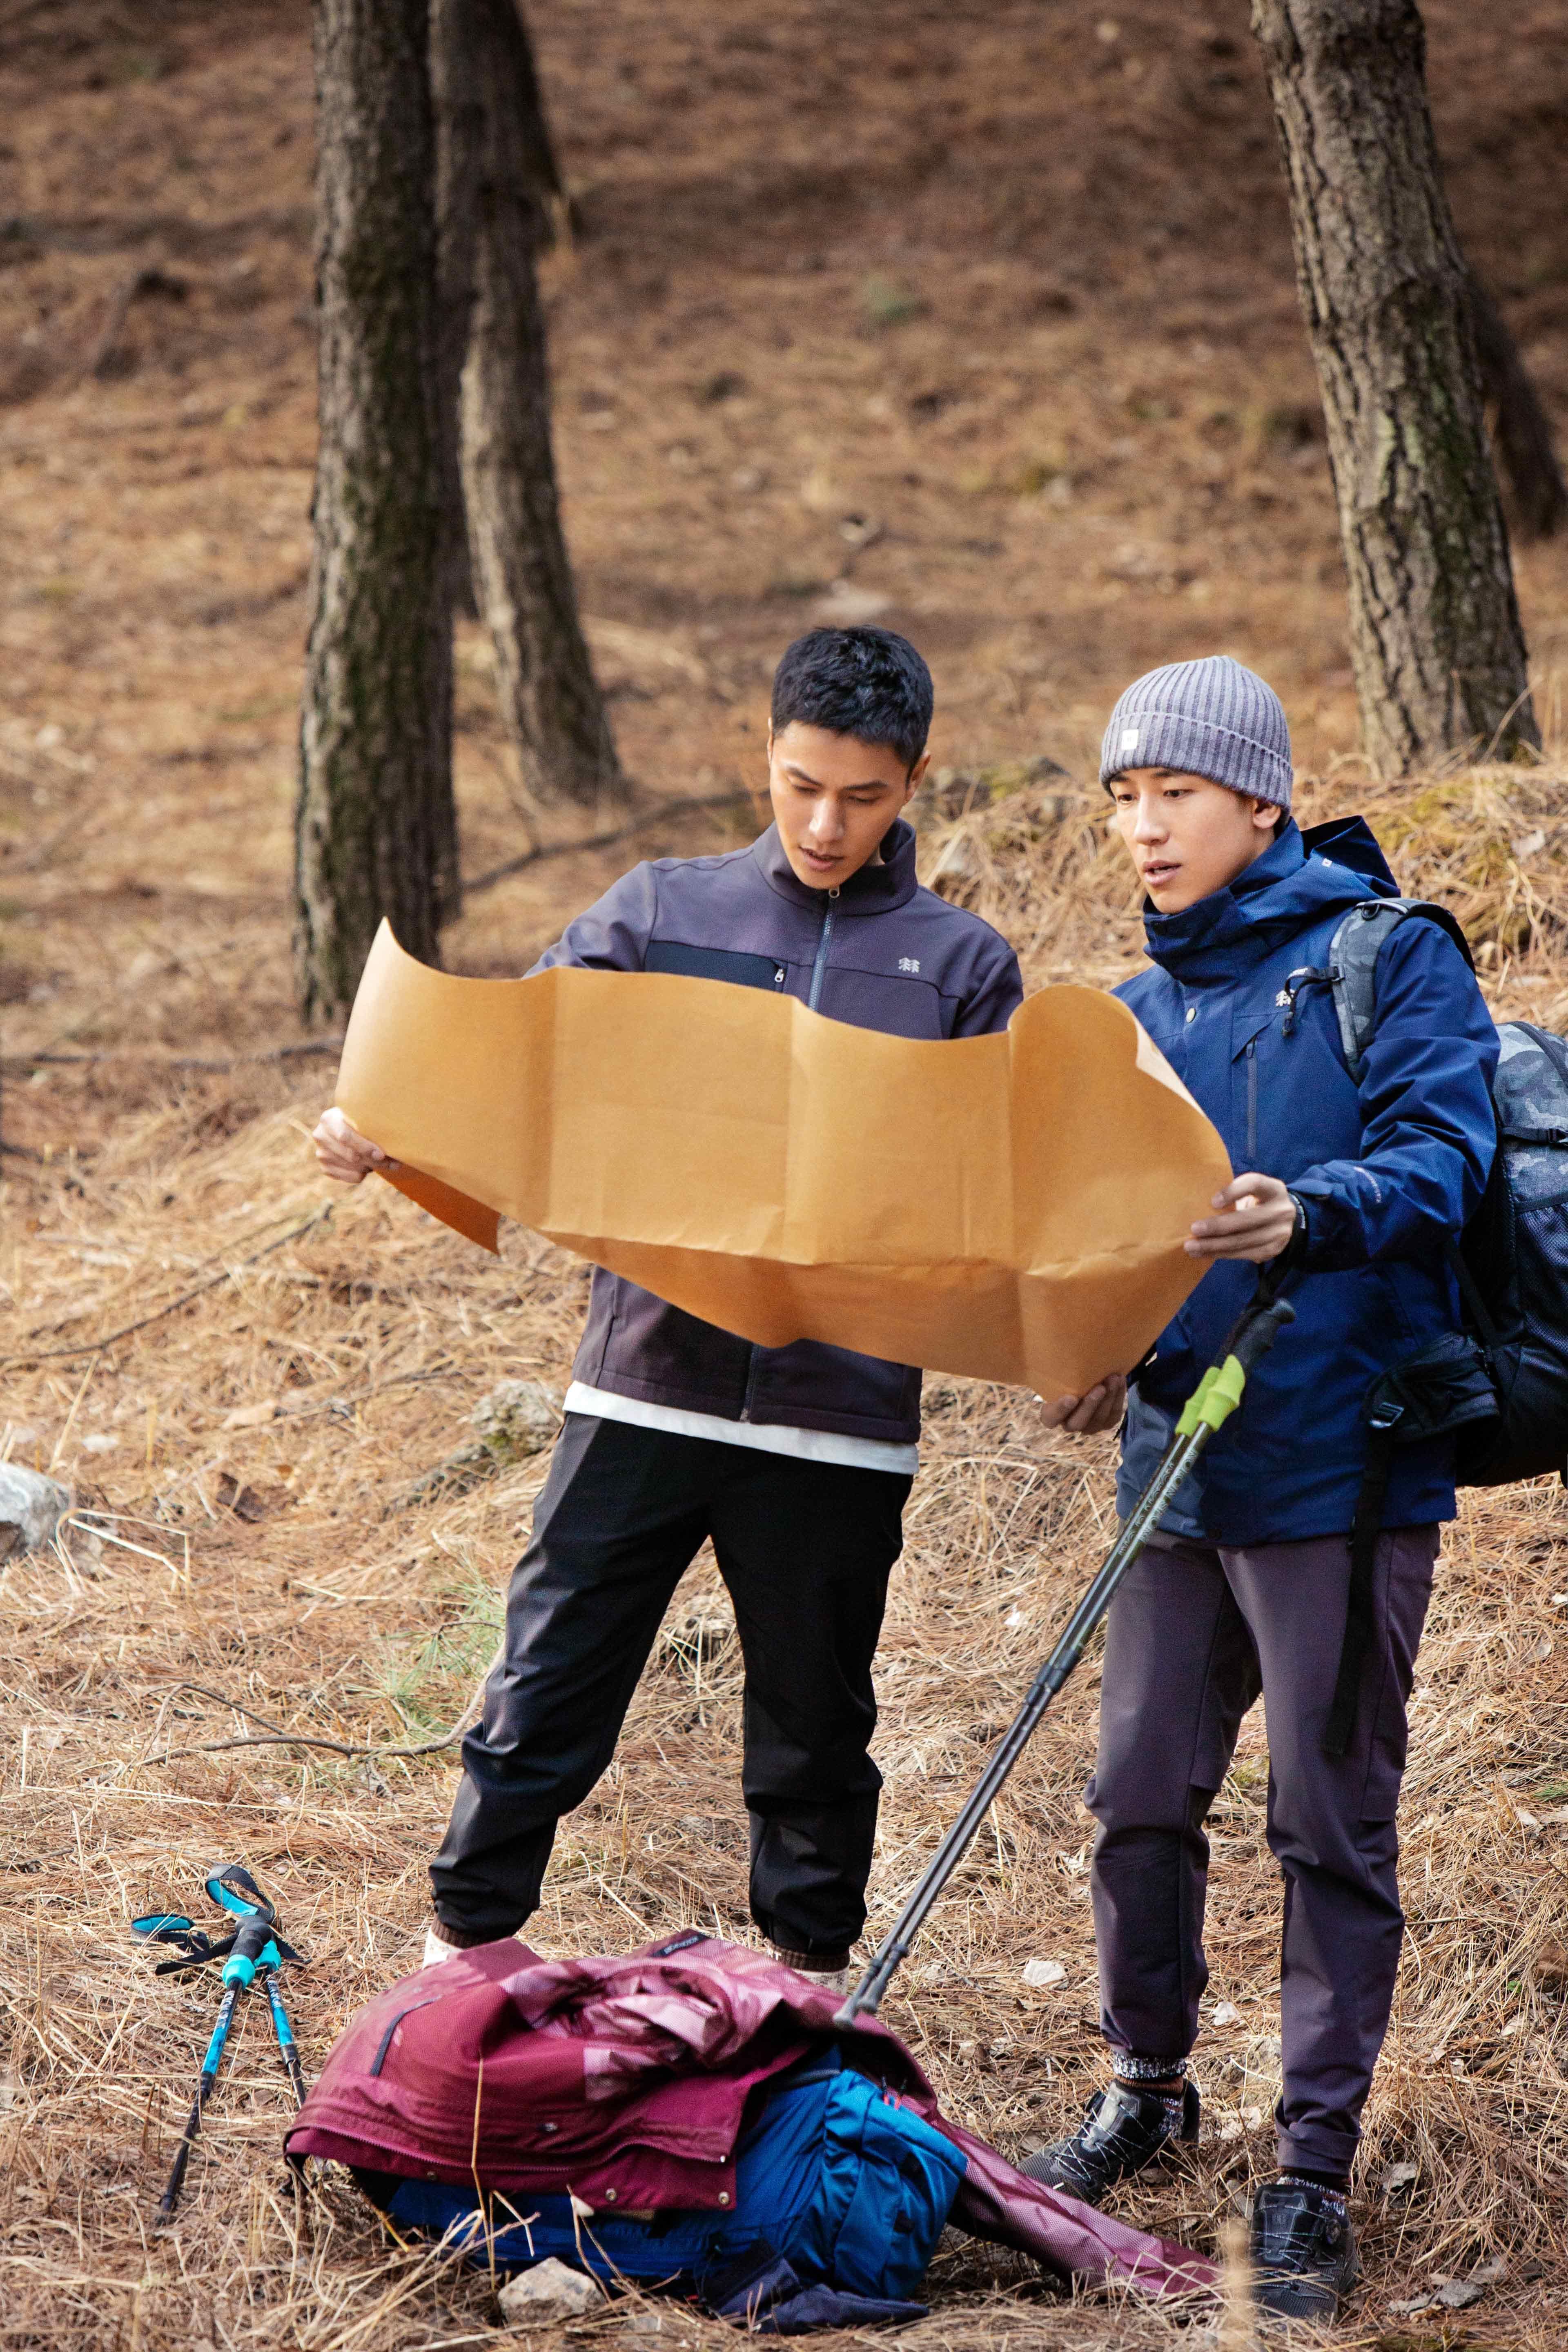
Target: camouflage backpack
x,y
1500,1386
1512,1263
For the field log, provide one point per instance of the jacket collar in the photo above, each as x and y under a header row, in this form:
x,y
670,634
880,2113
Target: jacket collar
x,y
875,890
1281,894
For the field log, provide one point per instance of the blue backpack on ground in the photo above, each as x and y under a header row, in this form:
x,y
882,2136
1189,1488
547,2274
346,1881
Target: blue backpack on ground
x,y
841,2194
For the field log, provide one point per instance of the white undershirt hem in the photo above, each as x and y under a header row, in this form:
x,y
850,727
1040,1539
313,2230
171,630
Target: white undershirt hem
x,y
763,1437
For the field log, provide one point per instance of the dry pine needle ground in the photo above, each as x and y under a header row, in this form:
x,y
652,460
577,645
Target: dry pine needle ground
x,y
242,1450
1092,443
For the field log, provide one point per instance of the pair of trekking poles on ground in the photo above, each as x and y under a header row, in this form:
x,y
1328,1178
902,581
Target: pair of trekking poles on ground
x,y
254,1950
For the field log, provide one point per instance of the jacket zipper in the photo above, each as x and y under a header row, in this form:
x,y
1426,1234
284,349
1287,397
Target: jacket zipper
x,y
819,969
1251,1099
818,972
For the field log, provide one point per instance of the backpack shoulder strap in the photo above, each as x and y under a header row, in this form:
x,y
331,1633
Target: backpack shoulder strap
x,y
1354,952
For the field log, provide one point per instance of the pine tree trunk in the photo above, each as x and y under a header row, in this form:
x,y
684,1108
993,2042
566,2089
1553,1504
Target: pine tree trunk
x,y
459,98
1525,454
1435,639
549,699
376,832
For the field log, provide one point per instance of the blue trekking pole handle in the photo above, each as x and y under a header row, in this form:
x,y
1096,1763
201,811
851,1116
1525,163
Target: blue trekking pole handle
x,y
1208,1408
261,1951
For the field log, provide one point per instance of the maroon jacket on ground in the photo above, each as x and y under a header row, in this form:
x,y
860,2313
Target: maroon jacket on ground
x,y
624,2079
883,953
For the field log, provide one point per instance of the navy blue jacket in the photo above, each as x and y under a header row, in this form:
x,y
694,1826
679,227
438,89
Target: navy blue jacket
x,y
1386,1173
883,953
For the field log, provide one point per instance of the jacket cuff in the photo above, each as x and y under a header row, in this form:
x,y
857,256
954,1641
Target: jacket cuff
x,y
1294,1255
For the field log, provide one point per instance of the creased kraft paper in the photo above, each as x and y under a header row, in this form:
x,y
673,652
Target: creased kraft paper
x,y
1011,1206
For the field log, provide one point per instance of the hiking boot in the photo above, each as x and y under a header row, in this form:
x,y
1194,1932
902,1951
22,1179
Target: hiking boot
x,y
1123,2129
1303,2249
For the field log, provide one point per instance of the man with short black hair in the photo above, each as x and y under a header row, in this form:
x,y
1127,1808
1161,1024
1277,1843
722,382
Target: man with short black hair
x,y
796,1461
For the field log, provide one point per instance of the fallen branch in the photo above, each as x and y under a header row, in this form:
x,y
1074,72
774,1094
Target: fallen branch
x,y
172,1062
602,840
108,1338
348,1404
199,1265
274,1735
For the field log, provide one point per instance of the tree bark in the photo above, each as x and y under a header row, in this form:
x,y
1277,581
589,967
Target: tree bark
x,y
523,93
375,830
549,699
1524,449
1435,639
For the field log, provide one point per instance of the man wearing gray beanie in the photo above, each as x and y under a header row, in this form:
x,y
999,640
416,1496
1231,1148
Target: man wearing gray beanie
x,y
1211,719
1253,1582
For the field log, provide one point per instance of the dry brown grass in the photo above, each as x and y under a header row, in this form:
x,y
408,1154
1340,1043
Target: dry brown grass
x,y
1093,449
268,1571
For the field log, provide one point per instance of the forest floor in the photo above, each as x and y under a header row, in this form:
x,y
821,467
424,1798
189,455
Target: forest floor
x,y
977,319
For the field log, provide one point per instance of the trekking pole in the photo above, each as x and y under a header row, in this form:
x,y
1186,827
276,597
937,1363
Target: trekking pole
x,y
205,2081
238,1892
287,2048
254,1950
1208,1408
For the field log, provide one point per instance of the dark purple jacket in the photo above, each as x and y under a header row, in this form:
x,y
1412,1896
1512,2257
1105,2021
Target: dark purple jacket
x,y
881,952
626,2080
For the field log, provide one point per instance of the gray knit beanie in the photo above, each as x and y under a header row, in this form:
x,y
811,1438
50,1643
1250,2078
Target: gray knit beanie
x,y
1209,718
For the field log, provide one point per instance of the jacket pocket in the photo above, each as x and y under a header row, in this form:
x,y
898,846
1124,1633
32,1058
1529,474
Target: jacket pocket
x,y
898,1007
714,963
1251,1045
384,2045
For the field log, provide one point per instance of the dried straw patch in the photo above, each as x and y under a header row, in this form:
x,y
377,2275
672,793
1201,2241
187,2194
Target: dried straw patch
x,y
268,1570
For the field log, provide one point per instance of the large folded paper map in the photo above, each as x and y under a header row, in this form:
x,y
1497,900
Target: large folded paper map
x,y
1010,1206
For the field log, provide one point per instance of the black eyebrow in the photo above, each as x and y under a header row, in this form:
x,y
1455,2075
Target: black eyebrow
x,y
865,784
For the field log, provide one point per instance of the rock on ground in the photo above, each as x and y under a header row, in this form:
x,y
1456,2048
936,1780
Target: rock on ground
x,y
513,1420
517,1418
548,2294
30,1509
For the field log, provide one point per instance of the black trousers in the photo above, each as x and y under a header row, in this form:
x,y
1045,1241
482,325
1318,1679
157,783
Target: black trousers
x,y
805,1549
1193,1637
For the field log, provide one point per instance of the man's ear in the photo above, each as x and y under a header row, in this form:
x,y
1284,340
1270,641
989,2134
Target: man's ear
x,y
916,778
1267,815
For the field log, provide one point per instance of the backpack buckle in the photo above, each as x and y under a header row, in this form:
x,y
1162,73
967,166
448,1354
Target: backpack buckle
x,y
1307,975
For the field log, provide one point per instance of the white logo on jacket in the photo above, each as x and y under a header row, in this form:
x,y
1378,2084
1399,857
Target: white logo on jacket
x,y
909,963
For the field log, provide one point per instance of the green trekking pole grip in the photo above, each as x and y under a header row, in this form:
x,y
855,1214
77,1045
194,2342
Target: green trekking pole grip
x,y
1220,1391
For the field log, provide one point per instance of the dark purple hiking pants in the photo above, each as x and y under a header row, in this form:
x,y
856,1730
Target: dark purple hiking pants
x,y
1193,1637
